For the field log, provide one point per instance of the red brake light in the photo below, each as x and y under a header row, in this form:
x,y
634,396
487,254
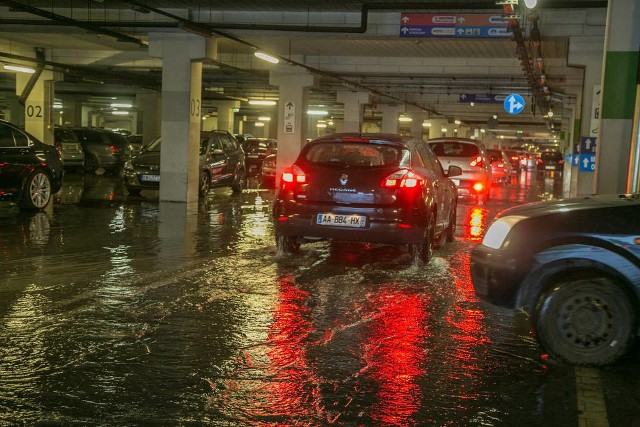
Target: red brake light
x,y
113,149
476,162
294,174
478,187
403,179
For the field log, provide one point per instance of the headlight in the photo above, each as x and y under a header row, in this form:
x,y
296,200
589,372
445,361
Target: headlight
x,y
499,230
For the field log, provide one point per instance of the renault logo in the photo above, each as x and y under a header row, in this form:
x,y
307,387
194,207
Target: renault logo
x,y
344,179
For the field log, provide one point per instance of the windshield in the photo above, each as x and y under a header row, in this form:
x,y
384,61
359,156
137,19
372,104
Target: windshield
x,y
356,154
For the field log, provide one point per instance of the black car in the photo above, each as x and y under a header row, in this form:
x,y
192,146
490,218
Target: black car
x,y
221,165
30,171
102,149
550,161
374,188
574,266
255,150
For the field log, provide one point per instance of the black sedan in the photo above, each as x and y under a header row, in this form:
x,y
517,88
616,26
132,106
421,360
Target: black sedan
x,y
30,171
373,188
221,164
574,266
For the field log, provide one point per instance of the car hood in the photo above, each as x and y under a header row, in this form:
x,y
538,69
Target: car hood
x,y
147,158
575,204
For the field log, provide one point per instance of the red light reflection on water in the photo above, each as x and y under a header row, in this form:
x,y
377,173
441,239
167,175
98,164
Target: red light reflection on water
x,y
293,388
468,333
394,355
475,223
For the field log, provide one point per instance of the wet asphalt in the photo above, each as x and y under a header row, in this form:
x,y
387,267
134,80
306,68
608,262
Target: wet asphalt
x,y
118,310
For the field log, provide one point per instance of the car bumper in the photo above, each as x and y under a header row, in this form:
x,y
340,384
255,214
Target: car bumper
x,y
133,180
495,276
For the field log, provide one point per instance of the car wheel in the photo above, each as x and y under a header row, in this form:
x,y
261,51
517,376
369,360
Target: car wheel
x,y
586,320
91,163
240,181
450,233
423,251
287,244
36,193
204,184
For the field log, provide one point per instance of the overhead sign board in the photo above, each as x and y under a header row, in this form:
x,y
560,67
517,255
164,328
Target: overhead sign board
x,y
471,25
482,99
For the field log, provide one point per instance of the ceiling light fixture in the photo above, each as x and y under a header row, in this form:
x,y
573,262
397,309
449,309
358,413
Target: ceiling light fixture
x,y
258,124
19,69
405,119
121,105
317,112
262,102
531,3
266,57
264,118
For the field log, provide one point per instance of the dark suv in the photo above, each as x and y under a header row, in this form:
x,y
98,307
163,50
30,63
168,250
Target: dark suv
x,y
30,171
574,266
102,149
221,165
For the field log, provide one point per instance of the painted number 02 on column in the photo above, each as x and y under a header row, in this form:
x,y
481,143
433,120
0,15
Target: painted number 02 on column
x,y
195,107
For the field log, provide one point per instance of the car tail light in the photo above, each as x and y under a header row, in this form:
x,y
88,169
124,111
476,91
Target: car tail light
x,y
478,187
113,149
403,179
560,162
540,162
500,165
476,162
294,175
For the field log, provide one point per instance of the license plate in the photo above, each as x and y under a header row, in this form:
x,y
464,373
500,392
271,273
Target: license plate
x,y
456,182
549,167
150,178
355,221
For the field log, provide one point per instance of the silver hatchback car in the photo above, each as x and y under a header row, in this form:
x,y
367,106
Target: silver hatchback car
x,y
471,156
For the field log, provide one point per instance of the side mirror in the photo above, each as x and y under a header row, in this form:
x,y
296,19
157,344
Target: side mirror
x,y
454,171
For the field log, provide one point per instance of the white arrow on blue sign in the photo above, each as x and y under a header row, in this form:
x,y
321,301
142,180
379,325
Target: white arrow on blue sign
x,y
514,104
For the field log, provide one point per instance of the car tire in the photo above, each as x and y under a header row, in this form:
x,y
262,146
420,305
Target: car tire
x,y
586,319
422,252
287,245
91,163
450,233
36,191
204,184
240,181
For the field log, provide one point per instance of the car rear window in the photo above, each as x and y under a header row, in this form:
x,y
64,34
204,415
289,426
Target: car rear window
x,y
454,149
354,154
65,135
551,156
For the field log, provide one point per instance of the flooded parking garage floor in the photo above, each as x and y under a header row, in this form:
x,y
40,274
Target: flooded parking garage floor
x,y
127,311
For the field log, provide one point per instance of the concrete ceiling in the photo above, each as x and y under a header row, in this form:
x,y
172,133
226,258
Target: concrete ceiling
x,y
348,45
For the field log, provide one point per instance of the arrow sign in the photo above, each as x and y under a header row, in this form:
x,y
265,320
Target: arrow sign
x,y
514,104
587,145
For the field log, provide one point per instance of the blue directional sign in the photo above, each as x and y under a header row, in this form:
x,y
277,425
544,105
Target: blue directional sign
x,y
587,145
587,162
575,160
514,104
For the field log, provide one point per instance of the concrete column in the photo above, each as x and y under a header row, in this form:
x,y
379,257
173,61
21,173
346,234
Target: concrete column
x,y
619,80
353,104
435,131
182,56
39,103
292,82
586,52
418,117
390,115
226,114
149,110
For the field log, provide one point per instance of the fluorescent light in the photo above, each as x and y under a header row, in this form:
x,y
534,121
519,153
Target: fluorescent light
x,y
321,125
530,3
457,122
120,113
264,119
57,106
121,105
258,124
317,112
266,57
261,102
426,124
20,69
404,119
